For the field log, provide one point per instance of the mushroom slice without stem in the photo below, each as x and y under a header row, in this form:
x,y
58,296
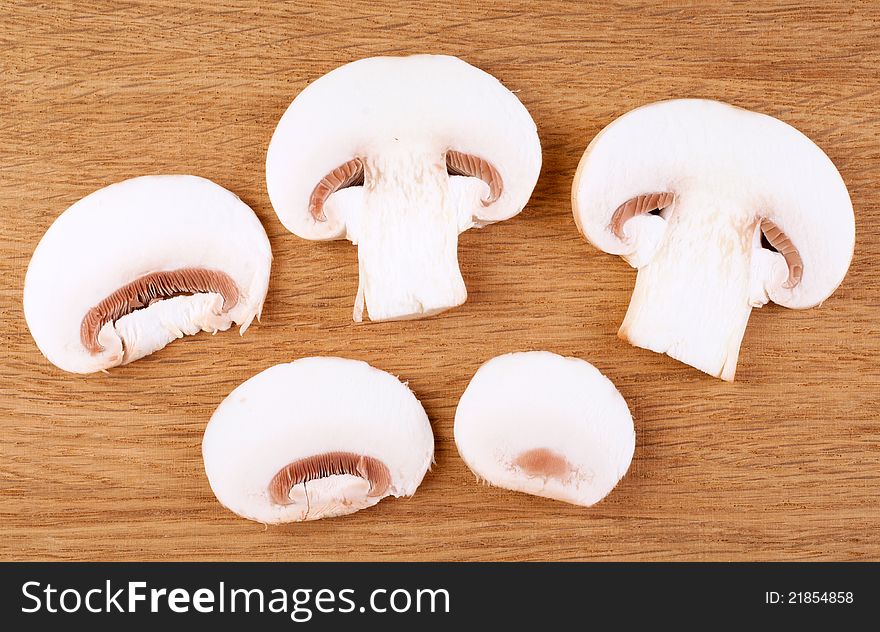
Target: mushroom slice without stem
x,y
137,264
750,211
400,155
543,424
316,438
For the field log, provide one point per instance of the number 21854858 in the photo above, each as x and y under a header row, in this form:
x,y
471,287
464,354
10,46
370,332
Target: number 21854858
x,y
817,597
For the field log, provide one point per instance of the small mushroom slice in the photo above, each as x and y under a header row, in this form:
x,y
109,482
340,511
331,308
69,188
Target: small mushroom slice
x,y
721,210
399,155
547,425
137,264
316,438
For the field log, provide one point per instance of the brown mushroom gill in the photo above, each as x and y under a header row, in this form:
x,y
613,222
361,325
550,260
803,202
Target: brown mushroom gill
x,y
544,463
461,164
781,243
638,205
329,464
151,287
351,174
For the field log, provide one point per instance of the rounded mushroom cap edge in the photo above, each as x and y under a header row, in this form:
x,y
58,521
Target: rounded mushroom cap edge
x,y
759,165
435,102
554,411
310,406
125,230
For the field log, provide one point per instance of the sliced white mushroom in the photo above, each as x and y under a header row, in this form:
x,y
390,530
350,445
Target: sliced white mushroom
x,y
399,155
316,438
721,210
137,264
547,425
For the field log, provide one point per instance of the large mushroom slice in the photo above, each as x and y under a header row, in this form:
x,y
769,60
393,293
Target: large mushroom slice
x,y
137,264
547,425
316,438
399,155
721,210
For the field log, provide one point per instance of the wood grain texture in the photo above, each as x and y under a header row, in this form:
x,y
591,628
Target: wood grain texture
x,y
782,464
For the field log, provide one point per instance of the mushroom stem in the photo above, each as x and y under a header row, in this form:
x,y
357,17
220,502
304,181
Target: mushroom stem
x,y
693,300
147,330
407,237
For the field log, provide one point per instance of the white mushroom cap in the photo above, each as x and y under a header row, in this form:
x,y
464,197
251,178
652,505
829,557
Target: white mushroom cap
x,y
94,289
316,438
422,102
399,155
722,178
547,425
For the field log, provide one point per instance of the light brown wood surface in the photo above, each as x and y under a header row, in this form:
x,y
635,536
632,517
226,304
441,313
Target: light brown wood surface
x,y
782,464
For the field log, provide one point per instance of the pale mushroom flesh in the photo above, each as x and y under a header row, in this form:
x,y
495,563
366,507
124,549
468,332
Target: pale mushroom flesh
x,y
316,438
721,210
137,264
429,148
547,425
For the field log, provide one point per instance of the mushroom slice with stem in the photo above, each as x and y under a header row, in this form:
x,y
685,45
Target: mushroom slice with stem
x,y
540,423
400,155
316,438
137,264
721,210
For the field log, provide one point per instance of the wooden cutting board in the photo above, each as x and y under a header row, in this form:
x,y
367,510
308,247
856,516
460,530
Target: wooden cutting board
x,y
782,464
